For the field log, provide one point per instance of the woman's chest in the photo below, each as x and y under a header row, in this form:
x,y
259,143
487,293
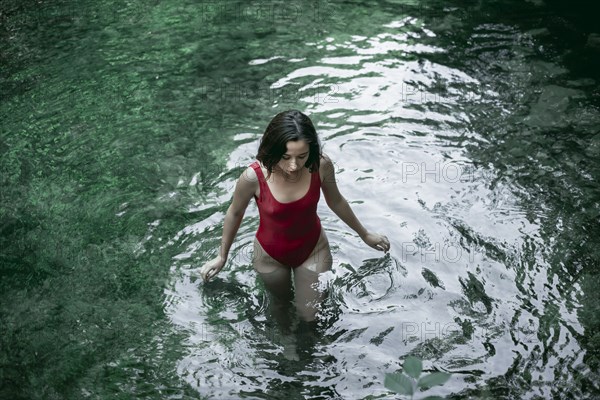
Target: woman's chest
x,y
287,189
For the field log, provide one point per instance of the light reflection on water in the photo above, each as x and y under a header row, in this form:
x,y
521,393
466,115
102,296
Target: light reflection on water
x,y
452,291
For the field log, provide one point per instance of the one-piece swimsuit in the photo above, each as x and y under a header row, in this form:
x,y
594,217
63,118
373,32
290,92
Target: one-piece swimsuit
x,y
288,232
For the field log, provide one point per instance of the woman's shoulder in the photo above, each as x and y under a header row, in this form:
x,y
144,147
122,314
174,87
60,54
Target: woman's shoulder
x,y
326,167
249,174
326,161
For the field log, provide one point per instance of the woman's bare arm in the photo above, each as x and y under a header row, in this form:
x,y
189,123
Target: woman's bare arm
x,y
244,190
335,200
341,208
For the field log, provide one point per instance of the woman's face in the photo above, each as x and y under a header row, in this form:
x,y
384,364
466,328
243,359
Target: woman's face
x,y
295,157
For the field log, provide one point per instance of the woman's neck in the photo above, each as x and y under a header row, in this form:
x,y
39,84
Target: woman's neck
x,y
287,176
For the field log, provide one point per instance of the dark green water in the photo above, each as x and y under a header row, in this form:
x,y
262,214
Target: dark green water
x,y
468,133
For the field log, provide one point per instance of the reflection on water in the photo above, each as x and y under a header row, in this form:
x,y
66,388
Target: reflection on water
x,y
462,133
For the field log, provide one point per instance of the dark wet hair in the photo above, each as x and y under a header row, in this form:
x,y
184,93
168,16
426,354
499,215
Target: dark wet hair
x,y
285,126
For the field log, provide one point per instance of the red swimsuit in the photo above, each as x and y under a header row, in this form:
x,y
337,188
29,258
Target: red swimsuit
x,y
288,232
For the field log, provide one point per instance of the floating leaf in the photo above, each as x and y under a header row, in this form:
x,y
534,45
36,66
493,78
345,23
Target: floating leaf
x,y
399,383
433,379
412,367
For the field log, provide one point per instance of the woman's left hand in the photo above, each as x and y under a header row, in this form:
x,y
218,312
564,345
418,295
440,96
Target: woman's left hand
x,y
377,241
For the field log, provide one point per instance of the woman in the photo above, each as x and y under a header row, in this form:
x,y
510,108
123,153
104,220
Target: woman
x,y
286,182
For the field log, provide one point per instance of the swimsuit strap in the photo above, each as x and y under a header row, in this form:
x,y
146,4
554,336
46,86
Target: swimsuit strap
x,y
259,172
261,177
264,187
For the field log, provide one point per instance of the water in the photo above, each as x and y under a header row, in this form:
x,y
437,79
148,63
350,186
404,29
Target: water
x,y
466,133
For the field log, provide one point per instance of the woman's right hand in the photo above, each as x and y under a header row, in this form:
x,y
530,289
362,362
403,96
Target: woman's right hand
x,y
211,268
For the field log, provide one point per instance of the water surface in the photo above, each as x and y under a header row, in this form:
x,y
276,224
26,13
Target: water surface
x,y
465,133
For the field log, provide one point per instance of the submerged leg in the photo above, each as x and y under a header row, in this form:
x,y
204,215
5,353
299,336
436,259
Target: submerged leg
x,y
277,280
306,279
